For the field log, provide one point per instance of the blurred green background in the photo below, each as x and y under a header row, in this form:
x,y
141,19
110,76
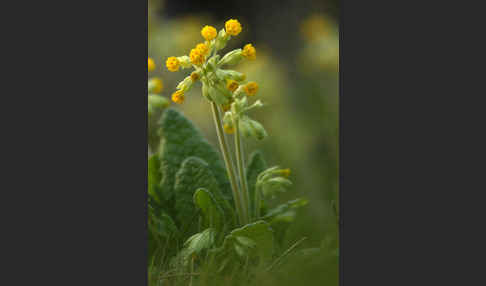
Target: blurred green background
x,y
297,69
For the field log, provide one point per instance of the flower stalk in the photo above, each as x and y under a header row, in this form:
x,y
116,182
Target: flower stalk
x,y
240,165
229,164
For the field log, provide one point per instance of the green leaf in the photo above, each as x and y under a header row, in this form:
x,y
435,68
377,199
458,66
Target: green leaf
x,y
281,217
194,246
284,208
154,177
200,241
180,140
195,174
256,165
253,240
212,213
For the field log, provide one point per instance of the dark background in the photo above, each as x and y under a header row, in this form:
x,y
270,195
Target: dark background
x,y
272,20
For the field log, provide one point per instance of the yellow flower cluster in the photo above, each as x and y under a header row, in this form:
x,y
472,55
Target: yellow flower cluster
x,y
249,52
232,27
151,65
209,33
172,64
211,73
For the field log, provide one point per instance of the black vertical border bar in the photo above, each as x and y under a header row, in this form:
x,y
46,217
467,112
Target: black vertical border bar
x,y
340,148
145,166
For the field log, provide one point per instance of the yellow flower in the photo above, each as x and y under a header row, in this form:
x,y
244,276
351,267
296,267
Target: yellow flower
x,y
249,52
232,85
172,64
228,129
196,57
232,27
195,76
209,33
157,85
202,48
178,97
151,65
251,88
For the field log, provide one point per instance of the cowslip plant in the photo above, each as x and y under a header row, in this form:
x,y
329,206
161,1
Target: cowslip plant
x,y
215,210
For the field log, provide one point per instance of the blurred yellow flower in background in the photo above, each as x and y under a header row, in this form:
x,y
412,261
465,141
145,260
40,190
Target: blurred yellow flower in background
x,y
151,65
314,27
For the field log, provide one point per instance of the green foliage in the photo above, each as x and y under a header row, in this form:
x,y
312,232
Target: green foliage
x,y
154,177
255,166
212,213
180,140
285,208
193,174
189,191
252,241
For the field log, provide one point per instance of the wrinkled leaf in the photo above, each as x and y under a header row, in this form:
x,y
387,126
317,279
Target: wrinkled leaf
x,y
180,140
154,177
194,174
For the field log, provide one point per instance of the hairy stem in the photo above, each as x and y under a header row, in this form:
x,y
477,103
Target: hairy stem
x,y
241,168
229,165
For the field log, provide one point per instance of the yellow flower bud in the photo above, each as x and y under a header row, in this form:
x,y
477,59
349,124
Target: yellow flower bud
x,y
172,64
209,33
195,76
196,57
151,65
232,85
233,27
202,48
178,97
249,52
251,88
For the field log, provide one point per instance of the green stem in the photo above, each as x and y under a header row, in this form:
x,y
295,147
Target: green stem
x,y
241,168
227,160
